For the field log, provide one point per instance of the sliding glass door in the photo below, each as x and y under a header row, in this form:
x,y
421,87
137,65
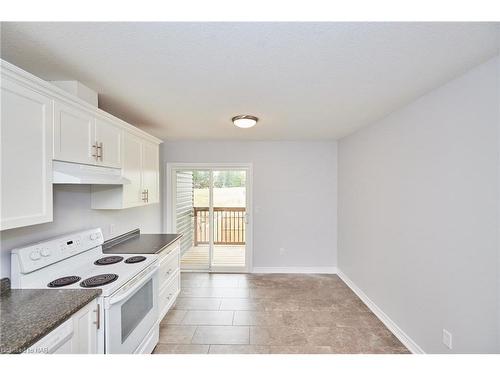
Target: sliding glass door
x,y
228,219
211,212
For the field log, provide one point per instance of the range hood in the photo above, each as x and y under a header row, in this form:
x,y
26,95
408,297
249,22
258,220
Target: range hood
x,y
73,173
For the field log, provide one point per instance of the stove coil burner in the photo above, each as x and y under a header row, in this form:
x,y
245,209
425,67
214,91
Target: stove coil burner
x,y
63,281
99,280
135,259
108,260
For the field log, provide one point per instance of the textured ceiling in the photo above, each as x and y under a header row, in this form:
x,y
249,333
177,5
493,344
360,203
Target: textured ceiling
x,y
304,80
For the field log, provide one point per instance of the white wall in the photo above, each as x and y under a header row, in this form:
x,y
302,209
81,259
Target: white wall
x,y
72,213
294,196
418,222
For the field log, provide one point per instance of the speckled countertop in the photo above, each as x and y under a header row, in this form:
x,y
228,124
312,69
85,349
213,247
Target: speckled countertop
x,y
26,315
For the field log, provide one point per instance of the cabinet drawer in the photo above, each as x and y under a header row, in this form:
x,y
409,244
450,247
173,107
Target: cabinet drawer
x,y
168,251
169,265
169,293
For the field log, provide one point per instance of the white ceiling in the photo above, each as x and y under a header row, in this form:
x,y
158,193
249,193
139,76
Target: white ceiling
x,y
304,80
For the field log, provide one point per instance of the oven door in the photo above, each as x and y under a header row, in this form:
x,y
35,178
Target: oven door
x,y
131,312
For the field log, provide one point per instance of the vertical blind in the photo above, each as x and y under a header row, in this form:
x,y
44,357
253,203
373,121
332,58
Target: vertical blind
x,y
184,208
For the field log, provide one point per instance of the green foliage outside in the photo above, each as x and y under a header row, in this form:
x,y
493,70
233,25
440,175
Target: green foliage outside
x,y
221,179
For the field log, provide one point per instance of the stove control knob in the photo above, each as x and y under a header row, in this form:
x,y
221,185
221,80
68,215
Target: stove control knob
x,y
35,255
94,236
45,252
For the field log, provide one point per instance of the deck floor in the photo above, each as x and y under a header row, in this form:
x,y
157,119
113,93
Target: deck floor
x,y
224,256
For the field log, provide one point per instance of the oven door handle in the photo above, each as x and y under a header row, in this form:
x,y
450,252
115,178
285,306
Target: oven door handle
x,y
145,277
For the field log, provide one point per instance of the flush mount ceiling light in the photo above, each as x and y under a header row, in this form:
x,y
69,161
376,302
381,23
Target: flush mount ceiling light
x,y
245,121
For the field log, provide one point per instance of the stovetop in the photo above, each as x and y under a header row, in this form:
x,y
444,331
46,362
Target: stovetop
x,y
80,268
86,272
75,261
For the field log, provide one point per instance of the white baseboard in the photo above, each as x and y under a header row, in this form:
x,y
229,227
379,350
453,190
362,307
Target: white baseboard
x,y
384,318
389,323
328,270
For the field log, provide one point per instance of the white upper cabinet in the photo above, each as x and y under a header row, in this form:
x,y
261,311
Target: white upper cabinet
x,y
74,134
26,156
108,138
150,176
80,137
132,169
141,166
41,123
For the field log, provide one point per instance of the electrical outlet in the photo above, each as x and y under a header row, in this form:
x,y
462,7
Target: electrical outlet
x,y
447,339
282,251
111,229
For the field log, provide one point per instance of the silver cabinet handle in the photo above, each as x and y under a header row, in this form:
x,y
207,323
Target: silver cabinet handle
x,y
101,148
98,317
144,197
95,152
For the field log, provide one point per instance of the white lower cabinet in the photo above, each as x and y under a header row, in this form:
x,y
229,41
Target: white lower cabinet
x,y
170,277
169,294
26,155
77,335
86,322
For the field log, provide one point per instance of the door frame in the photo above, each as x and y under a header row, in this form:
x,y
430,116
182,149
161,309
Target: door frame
x,y
169,224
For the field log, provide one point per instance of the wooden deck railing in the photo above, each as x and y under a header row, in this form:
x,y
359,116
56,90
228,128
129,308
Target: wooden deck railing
x,y
229,225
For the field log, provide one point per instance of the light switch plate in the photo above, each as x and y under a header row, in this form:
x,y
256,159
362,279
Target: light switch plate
x,y
447,339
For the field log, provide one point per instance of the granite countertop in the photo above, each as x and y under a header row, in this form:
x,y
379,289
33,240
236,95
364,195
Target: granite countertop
x,y
136,243
27,315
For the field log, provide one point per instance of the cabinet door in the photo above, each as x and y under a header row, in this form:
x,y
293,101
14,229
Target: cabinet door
x,y
108,138
132,170
59,341
74,135
26,156
150,171
85,326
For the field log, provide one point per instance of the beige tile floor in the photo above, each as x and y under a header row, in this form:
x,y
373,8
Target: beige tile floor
x,y
271,313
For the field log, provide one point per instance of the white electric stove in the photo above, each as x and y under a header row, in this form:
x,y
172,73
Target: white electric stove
x,y
129,284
